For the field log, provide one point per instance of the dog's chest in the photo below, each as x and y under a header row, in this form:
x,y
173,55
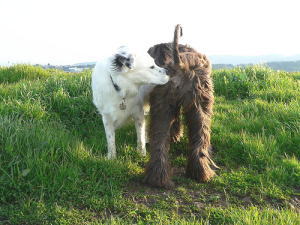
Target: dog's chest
x,y
120,116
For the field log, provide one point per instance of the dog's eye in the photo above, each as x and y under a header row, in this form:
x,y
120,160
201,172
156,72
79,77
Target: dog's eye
x,y
152,67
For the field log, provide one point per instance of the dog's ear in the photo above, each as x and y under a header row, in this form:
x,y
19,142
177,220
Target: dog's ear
x,y
157,53
151,51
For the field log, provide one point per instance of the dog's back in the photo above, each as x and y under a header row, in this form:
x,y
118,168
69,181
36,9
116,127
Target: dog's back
x,y
101,87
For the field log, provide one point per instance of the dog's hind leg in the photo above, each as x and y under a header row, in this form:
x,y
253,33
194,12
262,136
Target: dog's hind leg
x,y
199,161
110,137
139,120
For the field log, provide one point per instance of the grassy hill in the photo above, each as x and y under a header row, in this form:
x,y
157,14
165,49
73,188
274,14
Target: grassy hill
x,y
53,170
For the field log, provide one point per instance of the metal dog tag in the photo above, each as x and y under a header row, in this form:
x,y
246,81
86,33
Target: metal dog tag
x,y
123,104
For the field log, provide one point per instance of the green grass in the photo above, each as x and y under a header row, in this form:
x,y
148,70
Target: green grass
x,y
53,168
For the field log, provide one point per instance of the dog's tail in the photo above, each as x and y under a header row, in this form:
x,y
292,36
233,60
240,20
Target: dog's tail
x,y
177,34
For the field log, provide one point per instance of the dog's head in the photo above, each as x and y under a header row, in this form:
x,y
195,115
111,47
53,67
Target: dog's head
x,y
162,54
146,72
156,75
123,60
190,58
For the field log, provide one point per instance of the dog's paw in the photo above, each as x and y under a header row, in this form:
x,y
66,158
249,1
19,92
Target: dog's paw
x,y
199,170
158,175
168,184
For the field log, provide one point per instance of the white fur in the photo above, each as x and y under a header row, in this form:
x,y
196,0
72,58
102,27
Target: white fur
x,y
135,84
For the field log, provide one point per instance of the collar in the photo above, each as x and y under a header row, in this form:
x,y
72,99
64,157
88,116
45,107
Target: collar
x,y
117,87
122,105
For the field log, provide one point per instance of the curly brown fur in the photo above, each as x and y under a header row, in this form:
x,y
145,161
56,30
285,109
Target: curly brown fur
x,y
190,88
158,171
176,131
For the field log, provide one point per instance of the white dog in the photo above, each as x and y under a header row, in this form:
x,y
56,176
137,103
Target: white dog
x,y
120,84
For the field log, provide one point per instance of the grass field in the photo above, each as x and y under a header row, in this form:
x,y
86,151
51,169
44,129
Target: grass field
x,y
53,169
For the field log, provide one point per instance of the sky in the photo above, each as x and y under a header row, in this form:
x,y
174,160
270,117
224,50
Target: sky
x,y
67,32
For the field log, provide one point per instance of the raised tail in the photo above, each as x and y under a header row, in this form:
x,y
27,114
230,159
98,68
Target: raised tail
x,y
177,34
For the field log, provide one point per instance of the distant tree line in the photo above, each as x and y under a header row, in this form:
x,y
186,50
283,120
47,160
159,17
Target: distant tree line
x,y
289,66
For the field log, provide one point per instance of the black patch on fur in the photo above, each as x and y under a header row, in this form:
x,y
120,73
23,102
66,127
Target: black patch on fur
x,y
118,62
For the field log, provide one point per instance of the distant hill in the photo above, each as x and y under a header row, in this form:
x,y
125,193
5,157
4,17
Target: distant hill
x,y
85,64
260,59
289,66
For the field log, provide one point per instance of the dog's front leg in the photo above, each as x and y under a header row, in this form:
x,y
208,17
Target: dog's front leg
x,y
158,170
110,137
140,131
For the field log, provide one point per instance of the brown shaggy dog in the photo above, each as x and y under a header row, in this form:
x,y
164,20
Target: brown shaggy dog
x,y
190,88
